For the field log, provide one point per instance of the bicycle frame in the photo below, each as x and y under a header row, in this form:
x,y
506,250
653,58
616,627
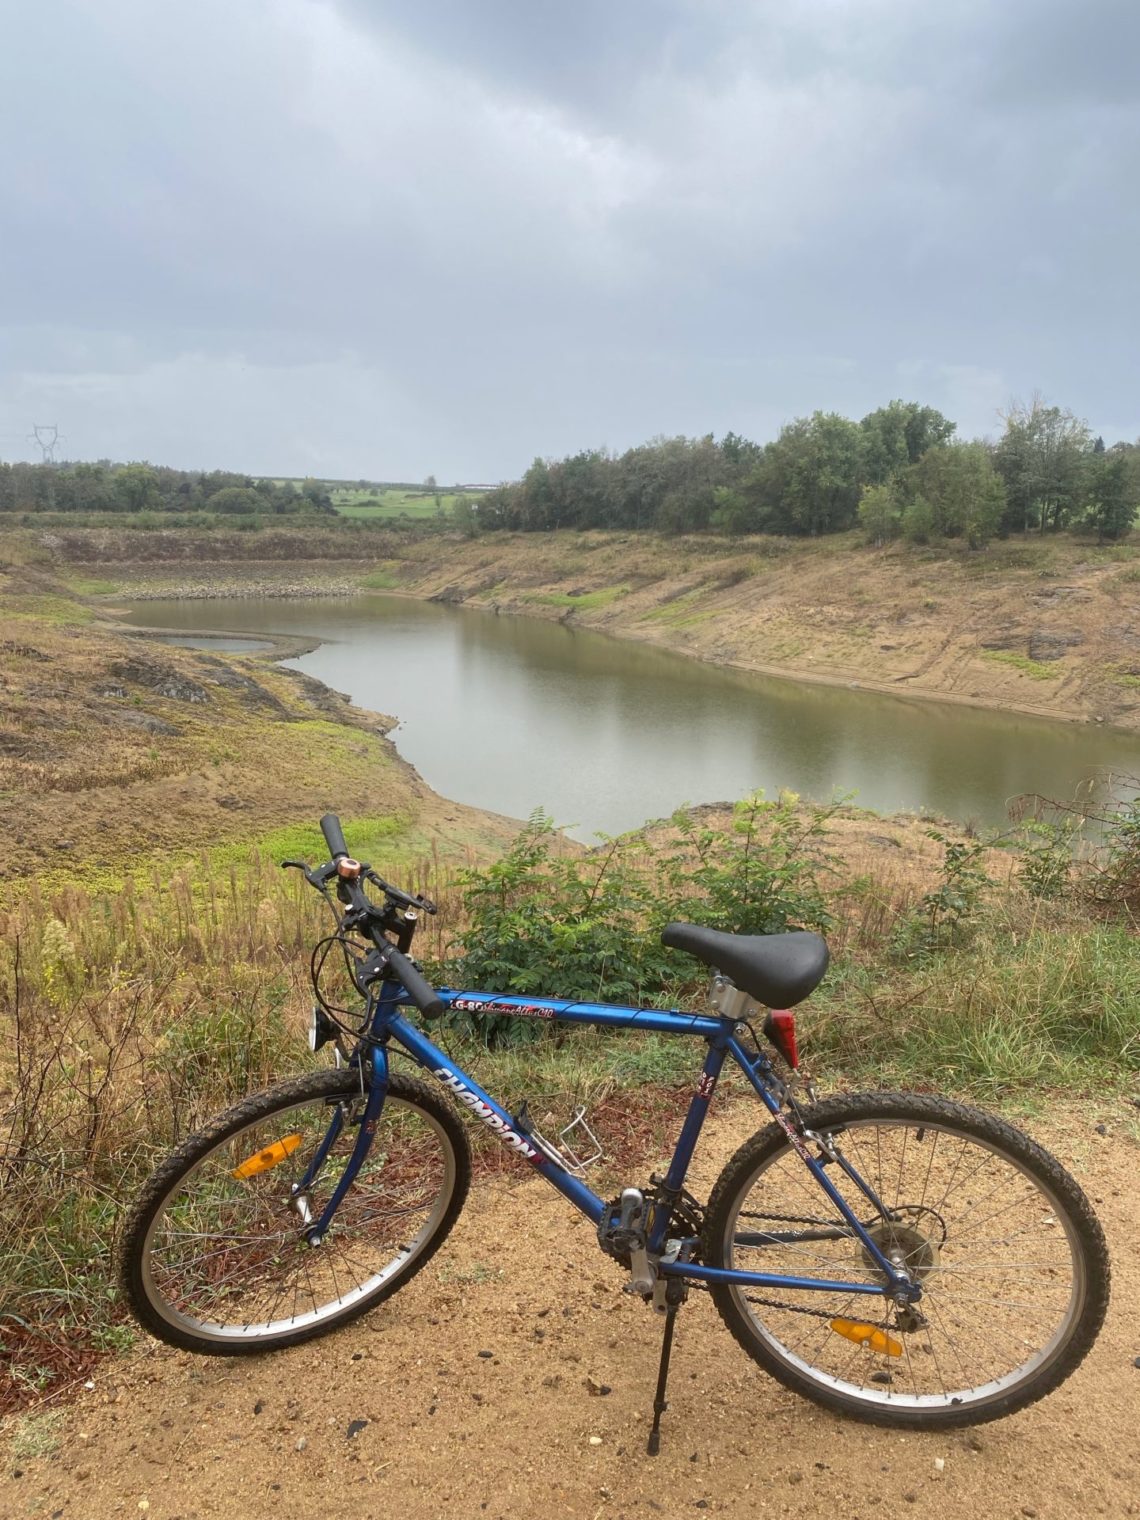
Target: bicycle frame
x,y
386,1024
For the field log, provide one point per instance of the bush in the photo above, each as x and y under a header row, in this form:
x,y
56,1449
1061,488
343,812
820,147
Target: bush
x,y
589,928
1113,884
945,917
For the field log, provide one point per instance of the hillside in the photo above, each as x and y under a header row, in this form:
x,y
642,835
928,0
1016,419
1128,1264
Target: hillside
x,y
117,750
1049,626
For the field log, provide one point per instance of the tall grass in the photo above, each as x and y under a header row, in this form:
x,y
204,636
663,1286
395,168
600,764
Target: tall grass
x,y
127,1017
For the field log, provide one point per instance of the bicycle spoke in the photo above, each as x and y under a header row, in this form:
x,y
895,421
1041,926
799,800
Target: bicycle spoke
x,y
991,1302
228,1255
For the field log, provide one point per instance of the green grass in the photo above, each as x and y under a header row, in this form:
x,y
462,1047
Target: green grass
x,y
381,580
1123,676
368,837
675,611
38,1435
59,611
1052,1006
88,587
577,601
372,505
1021,662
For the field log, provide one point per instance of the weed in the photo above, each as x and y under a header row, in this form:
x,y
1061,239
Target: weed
x,y
578,601
476,1273
946,915
1046,861
554,925
1021,662
381,580
85,586
38,1435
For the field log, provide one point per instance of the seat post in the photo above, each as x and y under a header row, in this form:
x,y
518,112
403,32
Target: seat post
x,y
730,1001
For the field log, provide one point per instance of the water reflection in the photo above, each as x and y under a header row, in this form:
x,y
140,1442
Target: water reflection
x,y
512,714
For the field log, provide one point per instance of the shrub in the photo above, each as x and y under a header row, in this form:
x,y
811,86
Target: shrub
x,y
588,928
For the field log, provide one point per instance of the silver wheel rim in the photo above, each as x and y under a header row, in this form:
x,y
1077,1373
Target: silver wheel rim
x,y
851,1379
342,1301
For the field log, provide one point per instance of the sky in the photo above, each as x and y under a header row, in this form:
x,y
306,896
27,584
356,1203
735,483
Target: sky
x,y
388,238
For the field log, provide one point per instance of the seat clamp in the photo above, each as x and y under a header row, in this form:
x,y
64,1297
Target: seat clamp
x,y
730,1001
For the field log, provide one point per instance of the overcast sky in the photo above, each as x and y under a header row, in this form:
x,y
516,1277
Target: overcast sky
x,y
385,238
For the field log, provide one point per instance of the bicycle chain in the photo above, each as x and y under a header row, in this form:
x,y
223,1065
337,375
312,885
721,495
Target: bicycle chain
x,y
771,1303
826,1224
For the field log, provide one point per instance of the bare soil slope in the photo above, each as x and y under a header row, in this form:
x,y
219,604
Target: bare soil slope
x,y
115,749
1049,626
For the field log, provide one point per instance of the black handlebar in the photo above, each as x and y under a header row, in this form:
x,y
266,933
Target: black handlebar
x,y
417,986
334,835
419,989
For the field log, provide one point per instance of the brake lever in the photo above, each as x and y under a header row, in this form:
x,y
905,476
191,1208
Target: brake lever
x,y
394,894
319,878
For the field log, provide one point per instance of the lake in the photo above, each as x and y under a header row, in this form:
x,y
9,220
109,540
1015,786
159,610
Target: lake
x,y
512,714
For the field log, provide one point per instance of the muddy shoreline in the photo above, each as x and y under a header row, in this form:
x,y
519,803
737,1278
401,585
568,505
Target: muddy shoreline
x,y
906,688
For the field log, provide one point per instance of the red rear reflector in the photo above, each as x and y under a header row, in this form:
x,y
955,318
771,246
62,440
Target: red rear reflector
x,y
780,1028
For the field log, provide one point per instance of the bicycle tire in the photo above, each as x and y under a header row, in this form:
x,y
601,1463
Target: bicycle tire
x,y
1009,1314
216,1262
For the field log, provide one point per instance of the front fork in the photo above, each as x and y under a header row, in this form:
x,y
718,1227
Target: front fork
x,y
373,1068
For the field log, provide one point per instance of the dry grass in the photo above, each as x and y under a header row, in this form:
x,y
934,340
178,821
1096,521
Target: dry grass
x,y
116,752
153,966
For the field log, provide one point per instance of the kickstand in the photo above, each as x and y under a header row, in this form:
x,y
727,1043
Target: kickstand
x,y
659,1404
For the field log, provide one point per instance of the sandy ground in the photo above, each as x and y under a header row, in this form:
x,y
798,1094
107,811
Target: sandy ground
x,y
475,1392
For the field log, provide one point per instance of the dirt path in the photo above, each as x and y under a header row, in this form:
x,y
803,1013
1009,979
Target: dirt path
x,y
451,1429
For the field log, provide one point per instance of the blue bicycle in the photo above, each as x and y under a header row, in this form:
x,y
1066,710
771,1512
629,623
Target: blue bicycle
x,y
899,1258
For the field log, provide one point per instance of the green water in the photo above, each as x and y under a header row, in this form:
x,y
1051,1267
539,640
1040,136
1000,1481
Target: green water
x,y
512,714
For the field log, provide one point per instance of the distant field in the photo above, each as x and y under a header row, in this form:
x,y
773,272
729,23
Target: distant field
x,y
393,501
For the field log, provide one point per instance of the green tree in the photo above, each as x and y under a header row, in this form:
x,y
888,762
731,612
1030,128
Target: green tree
x,y
965,496
1111,507
809,479
918,521
137,488
1042,457
898,435
316,494
465,516
732,512
237,500
879,514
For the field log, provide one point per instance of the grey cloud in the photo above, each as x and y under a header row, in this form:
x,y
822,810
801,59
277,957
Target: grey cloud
x,y
366,238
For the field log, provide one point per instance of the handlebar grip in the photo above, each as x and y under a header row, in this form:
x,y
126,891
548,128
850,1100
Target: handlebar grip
x,y
334,835
418,988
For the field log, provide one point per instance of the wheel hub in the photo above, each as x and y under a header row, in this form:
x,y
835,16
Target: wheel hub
x,y
905,1246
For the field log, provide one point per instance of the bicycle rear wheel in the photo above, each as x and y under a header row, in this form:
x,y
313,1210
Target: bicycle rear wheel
x,y
213,1255
1011,1259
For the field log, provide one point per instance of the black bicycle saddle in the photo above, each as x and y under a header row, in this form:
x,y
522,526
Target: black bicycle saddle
x,y
778,970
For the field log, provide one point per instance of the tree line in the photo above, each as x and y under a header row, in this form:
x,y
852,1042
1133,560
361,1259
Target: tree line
x,y
106,487
898,471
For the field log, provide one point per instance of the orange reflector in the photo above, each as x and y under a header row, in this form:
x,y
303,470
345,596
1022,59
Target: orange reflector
x,y
867,1335
264,1161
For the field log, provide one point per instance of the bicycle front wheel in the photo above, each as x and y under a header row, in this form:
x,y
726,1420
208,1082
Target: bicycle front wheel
x,y
214,1256
1011,1259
